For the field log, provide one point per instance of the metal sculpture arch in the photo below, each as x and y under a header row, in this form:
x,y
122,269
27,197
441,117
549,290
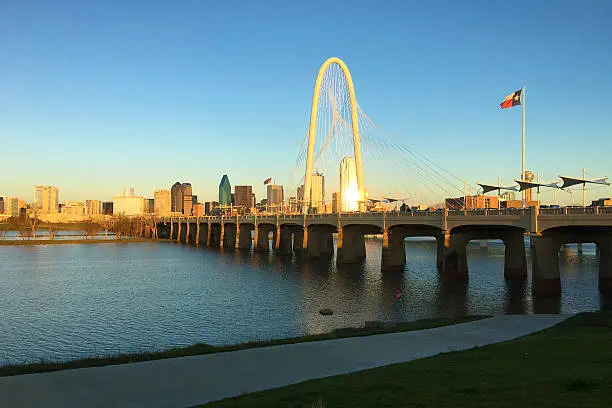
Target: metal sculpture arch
x,y
313,128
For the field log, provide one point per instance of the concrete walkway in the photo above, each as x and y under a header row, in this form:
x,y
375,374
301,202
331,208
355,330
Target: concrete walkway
x,y
188,381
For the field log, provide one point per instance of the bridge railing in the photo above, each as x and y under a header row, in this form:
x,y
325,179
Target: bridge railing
x,y
576,211
490,211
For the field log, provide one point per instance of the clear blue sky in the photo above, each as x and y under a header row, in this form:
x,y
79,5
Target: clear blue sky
x,y
96,96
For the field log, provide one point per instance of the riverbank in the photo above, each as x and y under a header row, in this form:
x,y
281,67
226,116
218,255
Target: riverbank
x,y
567,365
76,241
198,349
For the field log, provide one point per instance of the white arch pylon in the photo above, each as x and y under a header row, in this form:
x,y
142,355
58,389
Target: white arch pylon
x,y
313,128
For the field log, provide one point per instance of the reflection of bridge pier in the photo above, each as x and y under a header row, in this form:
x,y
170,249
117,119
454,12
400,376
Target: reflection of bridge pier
x,y
311,236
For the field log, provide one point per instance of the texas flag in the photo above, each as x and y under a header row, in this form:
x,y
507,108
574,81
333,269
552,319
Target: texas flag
x,y
268,181
512,100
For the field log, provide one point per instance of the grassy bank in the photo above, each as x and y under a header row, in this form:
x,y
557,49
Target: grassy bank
x,y
198,349
568,365
72,241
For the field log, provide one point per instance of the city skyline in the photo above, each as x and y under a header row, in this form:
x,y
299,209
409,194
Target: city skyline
x,y
411,91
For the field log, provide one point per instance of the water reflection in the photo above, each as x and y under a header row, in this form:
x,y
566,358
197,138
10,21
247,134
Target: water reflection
x,y
65,301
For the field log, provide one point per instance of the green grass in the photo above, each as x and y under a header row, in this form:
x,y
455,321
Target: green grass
x,y
569,365
196,349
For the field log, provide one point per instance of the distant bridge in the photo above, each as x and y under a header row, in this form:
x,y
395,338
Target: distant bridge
x,y
310,236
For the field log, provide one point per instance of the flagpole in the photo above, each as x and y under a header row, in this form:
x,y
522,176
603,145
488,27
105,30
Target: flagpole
x,y
523,144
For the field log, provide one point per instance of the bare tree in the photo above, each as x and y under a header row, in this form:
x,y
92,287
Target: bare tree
x,y
33,219
52,228
90,229
107,224
19,224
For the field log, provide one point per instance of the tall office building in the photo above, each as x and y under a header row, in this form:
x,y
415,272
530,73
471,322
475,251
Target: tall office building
x,y
348,185
275,195
317,190
336,202
187,199
1,205
46,199
177,198
225,191
244,196
162,202
12,206
94,207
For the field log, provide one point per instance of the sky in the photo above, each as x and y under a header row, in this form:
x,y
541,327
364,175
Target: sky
x,y
97,96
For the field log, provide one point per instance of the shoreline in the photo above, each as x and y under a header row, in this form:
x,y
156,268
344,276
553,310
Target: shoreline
x,y
370,328
31,242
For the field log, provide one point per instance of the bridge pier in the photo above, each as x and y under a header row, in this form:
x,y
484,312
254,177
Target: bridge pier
x,y
393,250
197,236
515,263
284,241
178,234
545,271
443,246
455,259
171,228
229,236
243,240
187,232
605,265
351,246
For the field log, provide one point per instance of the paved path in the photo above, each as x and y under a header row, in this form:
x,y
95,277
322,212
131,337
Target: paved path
x,y
188,381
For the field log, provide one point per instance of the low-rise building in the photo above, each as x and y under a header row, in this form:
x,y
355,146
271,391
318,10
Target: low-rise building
x,y
74,208
107,208
128,205
94,207
198,210
602,202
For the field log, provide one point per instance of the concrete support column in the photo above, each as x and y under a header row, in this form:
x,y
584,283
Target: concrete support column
x,y
237,240
443,247
222,239
326,246
298,242
197,240
545,271
305,241
171,229
455,259
353,246
208,232
284,242
187,233
393,250
605,265
255,237
263,241
277,238
515,264
178,235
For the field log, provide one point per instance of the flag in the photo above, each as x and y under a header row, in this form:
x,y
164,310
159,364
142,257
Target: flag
x,y
268,181
512,100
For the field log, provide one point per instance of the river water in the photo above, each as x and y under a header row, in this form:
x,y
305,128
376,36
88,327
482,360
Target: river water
x,y
66,301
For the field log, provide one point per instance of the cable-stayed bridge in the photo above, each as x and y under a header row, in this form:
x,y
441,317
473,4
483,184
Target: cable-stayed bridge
x,y
339,129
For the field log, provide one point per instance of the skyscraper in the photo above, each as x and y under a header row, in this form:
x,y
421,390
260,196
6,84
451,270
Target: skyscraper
x,y
225,191
162,202
187,199
317,190
12,206
348,185
46,199
244,197
1,205
336,202
177,198
275,195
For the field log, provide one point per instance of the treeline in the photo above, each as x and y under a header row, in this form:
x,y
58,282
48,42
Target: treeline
x,y
121,226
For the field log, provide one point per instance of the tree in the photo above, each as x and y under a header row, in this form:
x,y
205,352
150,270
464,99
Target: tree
x,y
52,230
20,225
150,222
90,229
32,219
107,223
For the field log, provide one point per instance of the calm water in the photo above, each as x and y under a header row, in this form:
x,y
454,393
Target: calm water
x,y
67,301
